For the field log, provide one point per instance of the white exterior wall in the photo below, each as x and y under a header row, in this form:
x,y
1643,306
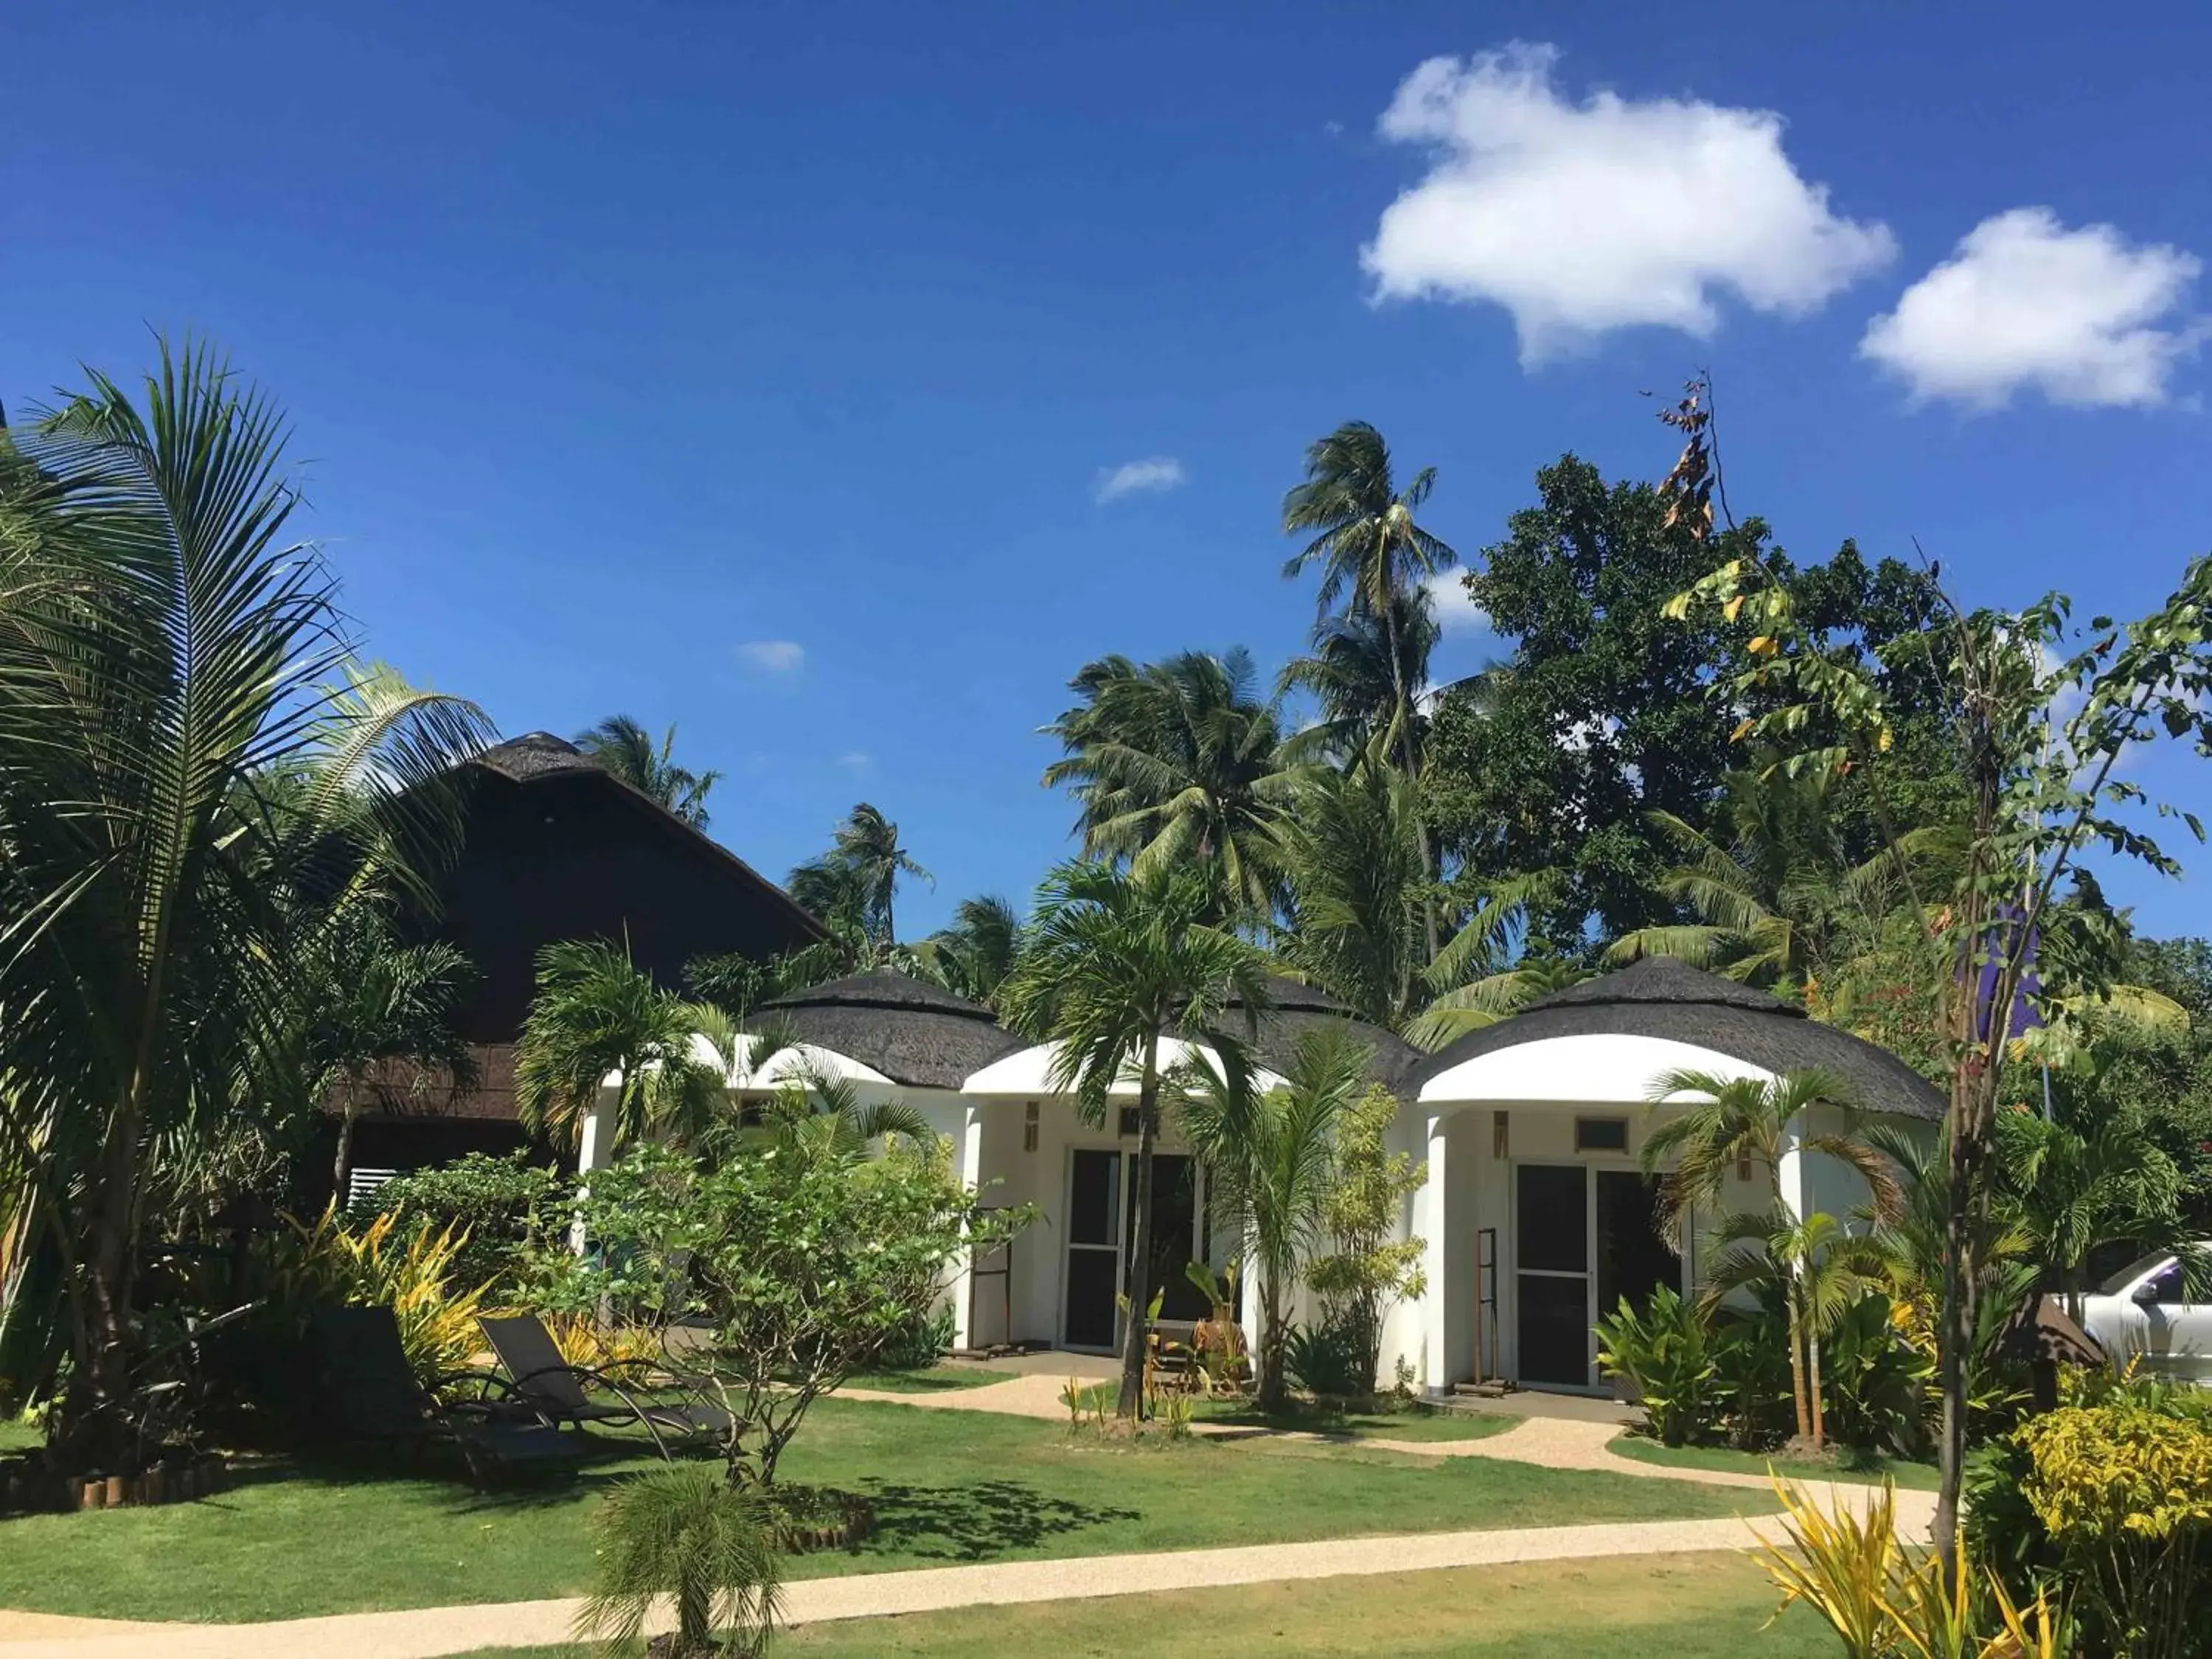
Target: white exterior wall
x,y
1481,1188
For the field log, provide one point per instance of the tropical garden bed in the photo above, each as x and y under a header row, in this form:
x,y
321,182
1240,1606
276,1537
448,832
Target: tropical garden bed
x,y
946,1487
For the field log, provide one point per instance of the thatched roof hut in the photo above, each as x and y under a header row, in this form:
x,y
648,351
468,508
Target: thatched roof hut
x,y
1660,997
911,1031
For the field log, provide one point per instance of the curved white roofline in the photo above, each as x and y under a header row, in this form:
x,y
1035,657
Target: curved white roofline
x,y
786,1064
1028,1072
1598,1068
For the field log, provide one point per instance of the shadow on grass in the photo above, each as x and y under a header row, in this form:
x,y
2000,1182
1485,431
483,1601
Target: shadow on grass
x,y
977,1523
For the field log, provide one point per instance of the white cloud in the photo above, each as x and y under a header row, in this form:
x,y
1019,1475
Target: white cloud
x,y
1148,477
2079,315
1456,609
773,656
1582,218
855,760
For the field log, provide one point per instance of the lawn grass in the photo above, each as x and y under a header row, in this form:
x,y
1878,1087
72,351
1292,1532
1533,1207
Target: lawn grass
x,y
932,1379
1676,1607
1848,1466
949,1487
1425,1426
16,1435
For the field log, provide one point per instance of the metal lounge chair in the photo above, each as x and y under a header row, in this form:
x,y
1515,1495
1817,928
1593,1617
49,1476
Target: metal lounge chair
x,y
562,1393
368,1392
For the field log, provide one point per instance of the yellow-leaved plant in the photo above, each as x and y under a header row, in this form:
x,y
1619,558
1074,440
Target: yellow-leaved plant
x,y
2125,1493
1886,1601
413,1277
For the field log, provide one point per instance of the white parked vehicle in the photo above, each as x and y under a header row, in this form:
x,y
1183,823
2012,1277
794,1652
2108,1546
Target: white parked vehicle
x,y
2142,1310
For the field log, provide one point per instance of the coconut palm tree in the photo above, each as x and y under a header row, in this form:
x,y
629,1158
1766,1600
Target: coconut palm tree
x,y
596,1015
165,649
1117,961
1372,555
975,953
1754,1122
1351,867
1353,675
1178,761
852,886
1778,901
626,749
1269,1165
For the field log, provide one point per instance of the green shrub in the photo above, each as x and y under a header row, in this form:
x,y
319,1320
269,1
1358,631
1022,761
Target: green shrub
x,y
508,1205
1329,1358
1665,1355
920,1343
1874,1380
1750,1351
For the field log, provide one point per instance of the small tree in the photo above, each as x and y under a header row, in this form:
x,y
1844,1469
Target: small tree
x,y
803,1261
1367,1272
1268,1166
1116,962
2038,720
686,1533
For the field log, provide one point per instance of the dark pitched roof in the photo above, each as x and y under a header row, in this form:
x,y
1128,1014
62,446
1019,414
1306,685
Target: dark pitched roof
x,y
1660,997
1300,1008
537,755
913,1032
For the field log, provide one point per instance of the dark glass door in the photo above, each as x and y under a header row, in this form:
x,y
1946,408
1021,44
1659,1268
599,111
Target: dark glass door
x,y
1553,1273
1094,1250
1632,1260
1175,1234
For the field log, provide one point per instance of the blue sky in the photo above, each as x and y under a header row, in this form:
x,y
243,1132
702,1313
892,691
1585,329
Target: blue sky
x,y
760,368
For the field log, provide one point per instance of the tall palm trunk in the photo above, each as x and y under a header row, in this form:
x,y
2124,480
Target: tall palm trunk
x,y
1138,1278
1409,758
1798,1396
1274,1331
1813,1388
342,1165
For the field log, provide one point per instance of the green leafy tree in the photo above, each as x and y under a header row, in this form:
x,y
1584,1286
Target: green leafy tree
x,y
164,650
1358,660
2036,721
1269,1167
803,1260
596,1015
1365,1267
1603,714
1178,762
627,750
1117,962
1374,559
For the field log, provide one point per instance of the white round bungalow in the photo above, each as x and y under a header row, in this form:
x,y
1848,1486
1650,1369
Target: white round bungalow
x,y
1536,1215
